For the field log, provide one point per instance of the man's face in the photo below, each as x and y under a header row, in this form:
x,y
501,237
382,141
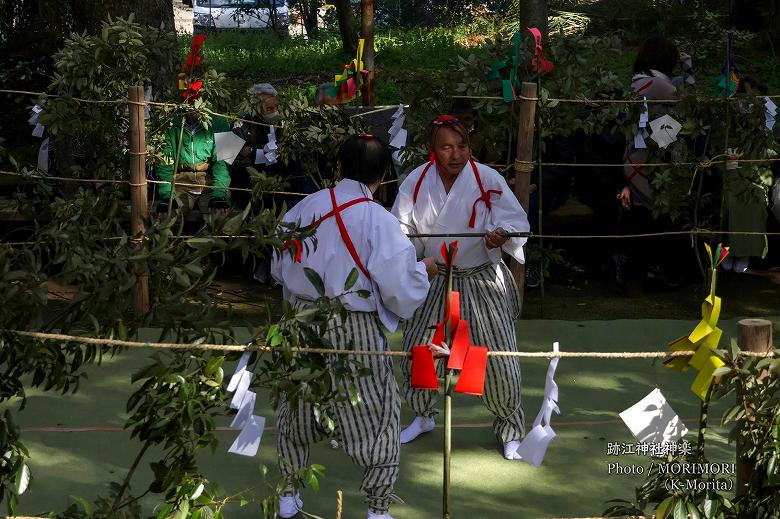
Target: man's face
x,y
267,104
452,151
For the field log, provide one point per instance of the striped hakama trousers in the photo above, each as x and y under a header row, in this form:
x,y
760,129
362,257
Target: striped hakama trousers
x,y
490,303
369,431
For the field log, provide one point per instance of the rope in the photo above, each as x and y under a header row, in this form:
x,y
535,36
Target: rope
x,y
704,163
692,232
524,166
379,109
339,503
383,108
148,181
260,347
611,101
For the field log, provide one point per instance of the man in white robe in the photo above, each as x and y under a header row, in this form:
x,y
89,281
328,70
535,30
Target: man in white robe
x,y
454,194
354,232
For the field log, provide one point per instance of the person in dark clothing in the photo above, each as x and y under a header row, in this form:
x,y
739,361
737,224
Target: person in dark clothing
x,y
265,112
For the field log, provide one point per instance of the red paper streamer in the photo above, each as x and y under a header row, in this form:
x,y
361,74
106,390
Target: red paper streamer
x,y
423,369
472,377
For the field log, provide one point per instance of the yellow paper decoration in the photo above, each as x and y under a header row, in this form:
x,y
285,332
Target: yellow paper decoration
x,y
704,338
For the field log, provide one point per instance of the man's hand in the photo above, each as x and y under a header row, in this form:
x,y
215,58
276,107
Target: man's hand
x,y
431,267
495,238
625,197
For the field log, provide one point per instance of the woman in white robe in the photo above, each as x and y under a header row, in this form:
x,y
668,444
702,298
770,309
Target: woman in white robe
x,y
453,194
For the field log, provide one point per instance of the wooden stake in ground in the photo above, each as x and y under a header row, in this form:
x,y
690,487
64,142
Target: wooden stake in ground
x,y
523,167
138,204
367,33
754,335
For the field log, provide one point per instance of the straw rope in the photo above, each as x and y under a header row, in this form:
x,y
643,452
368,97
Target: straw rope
x,y
339,503
380,108
261,347
692,232
610,101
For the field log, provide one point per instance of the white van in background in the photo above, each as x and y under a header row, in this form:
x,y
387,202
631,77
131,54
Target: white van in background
x,y
232,15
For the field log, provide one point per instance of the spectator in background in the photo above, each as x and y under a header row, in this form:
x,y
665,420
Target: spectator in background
x,y
746,193
653,68
465,112
201,180
322,96
265,113
256,131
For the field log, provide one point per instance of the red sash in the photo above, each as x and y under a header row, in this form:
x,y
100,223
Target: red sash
x,y
483,197
337,209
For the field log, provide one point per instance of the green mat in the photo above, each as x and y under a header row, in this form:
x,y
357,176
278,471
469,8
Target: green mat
x,y
573,480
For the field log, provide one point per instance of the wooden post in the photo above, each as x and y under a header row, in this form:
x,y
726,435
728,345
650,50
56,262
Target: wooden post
x,y
523,167
138,204
367,33
754,335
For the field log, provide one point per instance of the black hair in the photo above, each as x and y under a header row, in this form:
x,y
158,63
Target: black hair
x,y
656,53
455,125
364,158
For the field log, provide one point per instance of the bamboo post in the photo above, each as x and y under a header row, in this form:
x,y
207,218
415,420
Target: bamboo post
x,y
524,167
138,204
367,32
447,397
754,335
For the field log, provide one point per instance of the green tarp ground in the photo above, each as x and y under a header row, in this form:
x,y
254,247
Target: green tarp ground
x,y
574,479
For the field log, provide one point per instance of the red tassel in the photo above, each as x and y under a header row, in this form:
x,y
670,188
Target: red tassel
x,y
298,249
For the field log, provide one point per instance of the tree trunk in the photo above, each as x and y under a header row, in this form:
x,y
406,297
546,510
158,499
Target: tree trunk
x,y
347,26
533,13
309,16
367,33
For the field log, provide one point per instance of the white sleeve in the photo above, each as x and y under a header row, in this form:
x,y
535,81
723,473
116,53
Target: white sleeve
x,y
508,214
403,209
278,257
401,280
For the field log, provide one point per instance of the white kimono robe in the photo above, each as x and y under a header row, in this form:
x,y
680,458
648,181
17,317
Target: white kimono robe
x,y
437,211
398,283
488,294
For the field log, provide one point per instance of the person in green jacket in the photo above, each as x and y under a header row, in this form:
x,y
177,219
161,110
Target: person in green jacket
x,y
198,168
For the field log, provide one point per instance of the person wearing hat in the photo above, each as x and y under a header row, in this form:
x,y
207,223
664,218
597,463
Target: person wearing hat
x,y
255,129
454,194
353,232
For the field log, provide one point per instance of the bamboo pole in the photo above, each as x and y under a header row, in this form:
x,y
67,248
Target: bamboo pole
x,y
523,167
447,395
138,205
753,335
367,32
